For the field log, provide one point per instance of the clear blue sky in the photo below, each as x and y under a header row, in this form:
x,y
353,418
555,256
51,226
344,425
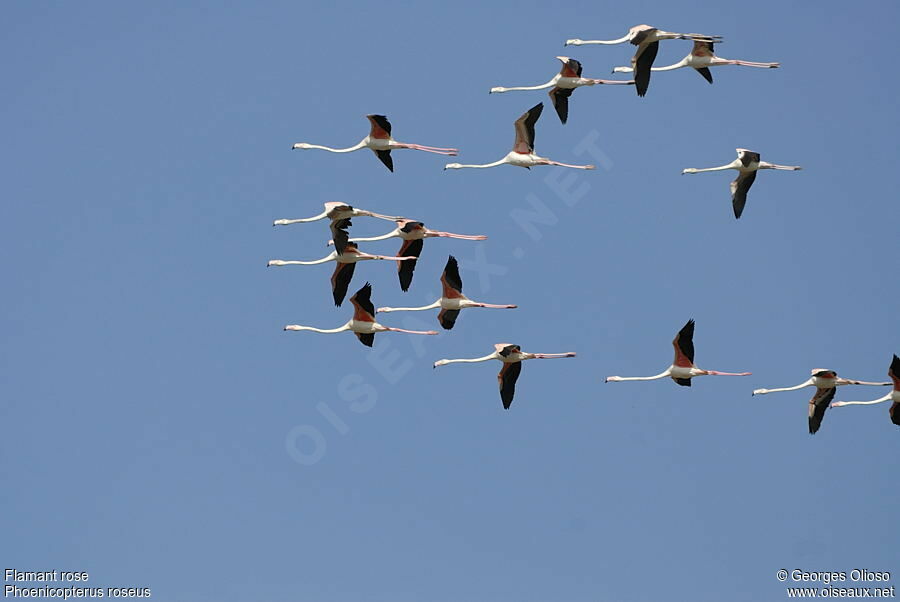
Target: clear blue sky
x,y
153,410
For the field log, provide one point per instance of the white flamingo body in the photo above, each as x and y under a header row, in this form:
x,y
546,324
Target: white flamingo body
x,y
682,369
380,142
522,154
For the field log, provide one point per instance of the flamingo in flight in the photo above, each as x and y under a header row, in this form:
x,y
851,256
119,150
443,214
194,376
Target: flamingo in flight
x,y
334,212
452,300
381,143
894,395
747,164
522,154
512,357
647,39
701,58
413,234
346,254
363,322
826,383
563,84
682,369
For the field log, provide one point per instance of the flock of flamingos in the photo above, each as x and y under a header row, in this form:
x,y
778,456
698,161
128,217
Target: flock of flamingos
x,y
413,233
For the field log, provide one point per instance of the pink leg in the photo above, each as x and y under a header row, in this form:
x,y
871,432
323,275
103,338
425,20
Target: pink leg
x,y
545,356
411,331
367,256
714,373
549,162
614,82
753,64
452,152
460,236
491,305
440,148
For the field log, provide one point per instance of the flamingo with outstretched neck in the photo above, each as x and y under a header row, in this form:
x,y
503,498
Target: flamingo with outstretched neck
x,y
512,357
452,300
380,142
682,369
363,323
522,154
563,84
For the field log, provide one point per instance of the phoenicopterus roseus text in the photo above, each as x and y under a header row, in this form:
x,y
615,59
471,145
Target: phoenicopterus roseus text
x,y
381,143
452,300
413,233
563,84
647,39
701,58
826,383
346,260
894,395
747,164
682,369
522,154
335,212
363,322
512,357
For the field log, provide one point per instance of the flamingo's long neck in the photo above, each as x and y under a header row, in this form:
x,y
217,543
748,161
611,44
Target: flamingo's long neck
x,y
549,84
577,42
470,361
434,305
624,378
486,165
287,222
678,65
863,403
298,327
808,383
349,149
